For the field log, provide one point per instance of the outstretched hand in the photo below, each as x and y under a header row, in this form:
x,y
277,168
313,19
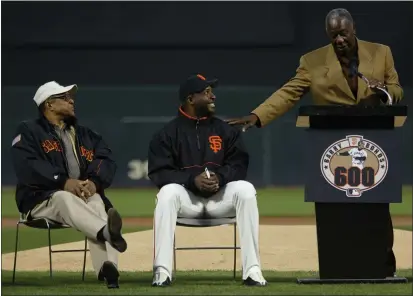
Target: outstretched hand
x,y
248,121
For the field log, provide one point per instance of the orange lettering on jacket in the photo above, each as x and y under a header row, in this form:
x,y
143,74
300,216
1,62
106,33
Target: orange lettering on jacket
x,y
50,145
88,154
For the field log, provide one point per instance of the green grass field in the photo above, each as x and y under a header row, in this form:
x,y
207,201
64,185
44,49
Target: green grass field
x,y
278,202
190,283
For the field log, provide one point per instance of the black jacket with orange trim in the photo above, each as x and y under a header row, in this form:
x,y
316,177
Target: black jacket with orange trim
x,y
185,146
41,166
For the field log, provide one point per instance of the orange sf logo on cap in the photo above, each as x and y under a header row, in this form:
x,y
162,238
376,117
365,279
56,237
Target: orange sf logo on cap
x,y
200,76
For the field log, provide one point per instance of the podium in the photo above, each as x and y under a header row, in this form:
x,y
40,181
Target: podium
x,y
353,172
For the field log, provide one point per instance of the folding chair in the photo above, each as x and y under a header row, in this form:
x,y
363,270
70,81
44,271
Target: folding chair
x,y
44,223
187,222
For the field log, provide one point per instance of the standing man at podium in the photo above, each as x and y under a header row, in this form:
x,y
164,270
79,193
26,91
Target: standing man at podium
x,y
332,75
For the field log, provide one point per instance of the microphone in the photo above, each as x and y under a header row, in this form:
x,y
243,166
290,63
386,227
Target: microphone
x,y
353,71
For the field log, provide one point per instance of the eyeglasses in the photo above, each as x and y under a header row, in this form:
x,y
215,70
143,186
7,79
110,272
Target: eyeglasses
x,y
65,96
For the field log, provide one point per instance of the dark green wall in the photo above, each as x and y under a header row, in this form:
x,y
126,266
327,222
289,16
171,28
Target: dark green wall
x,y
127,118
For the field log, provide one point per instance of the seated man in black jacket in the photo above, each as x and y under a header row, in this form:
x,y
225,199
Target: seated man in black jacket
x,y
62,169
199,163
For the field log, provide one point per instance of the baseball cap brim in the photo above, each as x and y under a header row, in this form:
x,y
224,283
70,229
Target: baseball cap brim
x,y
71,89
42,96
212,83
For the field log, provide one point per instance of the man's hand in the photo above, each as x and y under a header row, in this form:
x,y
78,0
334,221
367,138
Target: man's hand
x,y
374,83
204,184
248,121
75,187
89,188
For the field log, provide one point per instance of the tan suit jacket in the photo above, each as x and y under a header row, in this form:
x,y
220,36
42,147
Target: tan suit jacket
x,y
320,73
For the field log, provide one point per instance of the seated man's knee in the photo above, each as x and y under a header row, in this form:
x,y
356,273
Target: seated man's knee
x,y
61,196
96,203
245,190
62,200
169,193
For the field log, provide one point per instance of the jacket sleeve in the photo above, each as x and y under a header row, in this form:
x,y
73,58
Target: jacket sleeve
x,y
236,160
286,97
30,165
162,169
391,78
102,169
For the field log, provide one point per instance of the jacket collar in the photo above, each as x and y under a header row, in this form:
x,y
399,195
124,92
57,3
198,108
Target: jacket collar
x,y
182,114
334,71
50,127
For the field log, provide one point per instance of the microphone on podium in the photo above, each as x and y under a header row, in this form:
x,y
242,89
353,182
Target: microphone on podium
x,y
353,67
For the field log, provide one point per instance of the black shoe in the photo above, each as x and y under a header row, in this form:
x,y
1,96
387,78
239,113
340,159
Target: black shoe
x,y
161,280
255,279
110,274
115,231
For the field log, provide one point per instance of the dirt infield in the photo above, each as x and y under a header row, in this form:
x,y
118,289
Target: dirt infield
x,y
282,248
286,243
310,220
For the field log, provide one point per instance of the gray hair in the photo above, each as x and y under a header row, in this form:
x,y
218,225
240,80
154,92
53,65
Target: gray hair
x,y
339,12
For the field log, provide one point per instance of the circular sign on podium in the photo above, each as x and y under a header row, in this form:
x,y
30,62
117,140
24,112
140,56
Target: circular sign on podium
x,y
354,165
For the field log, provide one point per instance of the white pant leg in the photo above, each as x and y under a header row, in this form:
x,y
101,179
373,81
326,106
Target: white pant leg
x,y
239,198
171,200
100,252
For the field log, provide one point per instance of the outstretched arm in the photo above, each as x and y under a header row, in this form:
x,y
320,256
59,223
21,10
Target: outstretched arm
x,y
286,97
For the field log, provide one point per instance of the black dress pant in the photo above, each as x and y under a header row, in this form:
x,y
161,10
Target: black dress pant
x,y
391,259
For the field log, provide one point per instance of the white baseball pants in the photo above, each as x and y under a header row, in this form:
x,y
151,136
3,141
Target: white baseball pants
x,y
235,199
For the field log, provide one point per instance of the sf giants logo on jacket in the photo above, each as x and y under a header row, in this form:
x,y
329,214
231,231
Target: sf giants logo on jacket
x,y
215,143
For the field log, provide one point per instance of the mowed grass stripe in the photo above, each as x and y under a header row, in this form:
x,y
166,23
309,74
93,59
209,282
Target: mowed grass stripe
x,y
190,283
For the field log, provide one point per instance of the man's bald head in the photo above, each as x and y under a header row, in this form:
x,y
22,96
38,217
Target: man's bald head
x,y
341,30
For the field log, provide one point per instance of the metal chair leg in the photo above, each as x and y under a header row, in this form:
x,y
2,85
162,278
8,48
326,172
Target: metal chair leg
x,y
50,249
15,252
235,248
84,260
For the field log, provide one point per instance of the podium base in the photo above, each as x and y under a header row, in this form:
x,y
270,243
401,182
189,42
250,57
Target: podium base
x,y
389,280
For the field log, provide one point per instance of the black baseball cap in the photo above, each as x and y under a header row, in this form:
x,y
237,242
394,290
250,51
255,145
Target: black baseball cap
x,y
195,84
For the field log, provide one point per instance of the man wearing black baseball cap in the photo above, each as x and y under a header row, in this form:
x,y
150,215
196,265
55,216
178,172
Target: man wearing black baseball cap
x,y
197,91
199,163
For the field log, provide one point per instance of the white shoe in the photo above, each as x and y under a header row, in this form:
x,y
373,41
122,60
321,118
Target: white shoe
x,y
161,279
